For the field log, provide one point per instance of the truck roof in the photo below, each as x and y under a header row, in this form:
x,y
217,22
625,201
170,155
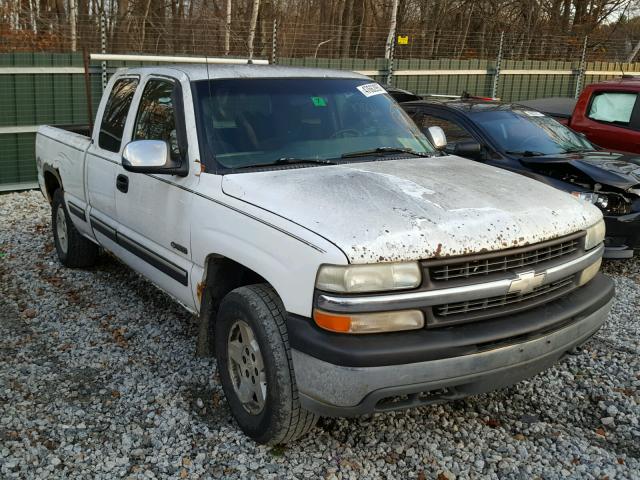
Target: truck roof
x,y
619,83
221,71
463,104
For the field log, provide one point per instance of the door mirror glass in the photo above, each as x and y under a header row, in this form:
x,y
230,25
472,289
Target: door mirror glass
x,y
469,149
437,137
147,156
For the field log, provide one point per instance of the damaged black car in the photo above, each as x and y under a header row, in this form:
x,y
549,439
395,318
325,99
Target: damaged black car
x,y
526,141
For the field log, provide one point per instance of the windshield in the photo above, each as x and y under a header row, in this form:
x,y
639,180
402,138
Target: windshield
x,y
529,132
255,122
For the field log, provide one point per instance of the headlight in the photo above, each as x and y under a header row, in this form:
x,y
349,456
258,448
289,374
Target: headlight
x,y
595,235
369,322
376,277
598,199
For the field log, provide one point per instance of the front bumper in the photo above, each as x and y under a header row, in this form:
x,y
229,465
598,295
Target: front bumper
x,y
350,379
623,235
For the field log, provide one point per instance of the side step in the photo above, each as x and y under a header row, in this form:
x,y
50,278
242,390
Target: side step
x,y
618,252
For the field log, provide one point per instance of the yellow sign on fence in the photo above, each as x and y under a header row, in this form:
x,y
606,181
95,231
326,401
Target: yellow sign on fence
x,y
403,39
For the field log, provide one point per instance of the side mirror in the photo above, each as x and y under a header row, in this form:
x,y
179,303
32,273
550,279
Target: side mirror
x,y
151,156
469,148
437,136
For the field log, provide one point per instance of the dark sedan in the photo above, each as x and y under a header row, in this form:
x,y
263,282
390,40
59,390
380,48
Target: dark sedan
x,y
526,141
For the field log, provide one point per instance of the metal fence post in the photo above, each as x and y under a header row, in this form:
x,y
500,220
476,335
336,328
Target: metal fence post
x,y
581,68
103,48
496,74
274,41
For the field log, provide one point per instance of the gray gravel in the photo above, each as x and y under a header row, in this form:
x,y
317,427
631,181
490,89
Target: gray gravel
x,y
98,379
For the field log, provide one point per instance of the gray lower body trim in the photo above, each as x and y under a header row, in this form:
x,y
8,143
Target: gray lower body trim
x,y
335,390
618,252
165,266
77,211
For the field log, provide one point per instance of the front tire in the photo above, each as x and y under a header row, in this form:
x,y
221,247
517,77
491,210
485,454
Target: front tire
x,y
73,250
255,367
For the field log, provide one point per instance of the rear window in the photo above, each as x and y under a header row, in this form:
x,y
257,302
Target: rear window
x,y
115,114
612,107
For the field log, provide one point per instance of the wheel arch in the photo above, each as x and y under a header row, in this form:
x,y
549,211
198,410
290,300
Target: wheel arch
x,y
52,181
221,275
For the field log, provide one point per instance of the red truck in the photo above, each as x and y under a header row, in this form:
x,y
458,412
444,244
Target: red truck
x,y
607,113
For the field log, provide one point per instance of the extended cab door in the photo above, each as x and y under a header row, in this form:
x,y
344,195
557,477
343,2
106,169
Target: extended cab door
x,y
610,119
103,159
154,210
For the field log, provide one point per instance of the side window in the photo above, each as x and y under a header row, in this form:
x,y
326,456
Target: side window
x,y
156,115
115,114
612,107
455,133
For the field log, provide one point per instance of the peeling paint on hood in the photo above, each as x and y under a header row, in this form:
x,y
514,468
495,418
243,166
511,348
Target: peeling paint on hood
x,y
419,208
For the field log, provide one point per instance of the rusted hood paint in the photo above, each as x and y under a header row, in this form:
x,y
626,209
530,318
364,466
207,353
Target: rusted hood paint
x,y
412,209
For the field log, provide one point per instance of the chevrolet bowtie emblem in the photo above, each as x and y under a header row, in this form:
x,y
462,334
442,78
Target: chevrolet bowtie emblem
x,y
526,282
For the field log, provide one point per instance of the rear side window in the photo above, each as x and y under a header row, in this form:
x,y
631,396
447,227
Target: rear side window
x,y
612,107
115,114
156,115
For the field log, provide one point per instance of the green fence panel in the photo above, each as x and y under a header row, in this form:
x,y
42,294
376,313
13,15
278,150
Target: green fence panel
x,y
30,99
17,159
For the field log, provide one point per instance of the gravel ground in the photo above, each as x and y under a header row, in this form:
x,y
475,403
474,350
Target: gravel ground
x,y
98,379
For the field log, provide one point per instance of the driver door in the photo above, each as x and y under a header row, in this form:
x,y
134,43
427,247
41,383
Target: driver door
x,y
153,209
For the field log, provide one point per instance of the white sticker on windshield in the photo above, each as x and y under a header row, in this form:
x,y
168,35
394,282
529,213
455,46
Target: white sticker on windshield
x,y
533,113
371,89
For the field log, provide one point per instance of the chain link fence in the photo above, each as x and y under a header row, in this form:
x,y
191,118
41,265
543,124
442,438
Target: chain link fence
x,y
43,81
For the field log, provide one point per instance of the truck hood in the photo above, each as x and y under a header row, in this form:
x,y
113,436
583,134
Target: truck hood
x,y
613,169
411,209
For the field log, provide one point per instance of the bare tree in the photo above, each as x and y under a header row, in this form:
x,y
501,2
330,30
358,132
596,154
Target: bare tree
x,y
392,30
252,26
227,30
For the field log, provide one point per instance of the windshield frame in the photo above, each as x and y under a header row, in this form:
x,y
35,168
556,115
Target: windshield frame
x,y
212,165
503,150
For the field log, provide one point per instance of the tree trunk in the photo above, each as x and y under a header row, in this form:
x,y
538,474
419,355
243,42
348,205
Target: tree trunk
x,y
72,25
252,26
227,29
466,32
392,30
633,54
348,23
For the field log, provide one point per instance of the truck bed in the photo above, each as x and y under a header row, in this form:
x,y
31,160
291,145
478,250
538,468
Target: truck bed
x,y
62,150
559,107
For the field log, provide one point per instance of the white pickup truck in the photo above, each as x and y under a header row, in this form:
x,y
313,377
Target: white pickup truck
x,y
340,264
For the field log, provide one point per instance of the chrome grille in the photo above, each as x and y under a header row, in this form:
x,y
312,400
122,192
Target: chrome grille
x,y
502,263
485,304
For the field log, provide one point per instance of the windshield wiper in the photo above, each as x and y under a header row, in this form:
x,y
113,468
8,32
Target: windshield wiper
x,y
577,150
290,161
385,150
525,153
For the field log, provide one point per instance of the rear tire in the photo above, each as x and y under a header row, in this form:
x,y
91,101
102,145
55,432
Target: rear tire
x,y
252,346
74,250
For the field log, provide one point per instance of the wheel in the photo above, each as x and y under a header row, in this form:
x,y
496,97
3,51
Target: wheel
x,y
254,363
73,249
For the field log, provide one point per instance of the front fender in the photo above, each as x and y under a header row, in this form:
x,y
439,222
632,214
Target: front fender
x,y
284,254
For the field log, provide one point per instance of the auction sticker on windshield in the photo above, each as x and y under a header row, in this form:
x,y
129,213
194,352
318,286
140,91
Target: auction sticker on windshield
x,y
371,89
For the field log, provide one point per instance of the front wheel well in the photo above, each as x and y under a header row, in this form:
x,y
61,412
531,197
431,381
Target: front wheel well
x,y
221,276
